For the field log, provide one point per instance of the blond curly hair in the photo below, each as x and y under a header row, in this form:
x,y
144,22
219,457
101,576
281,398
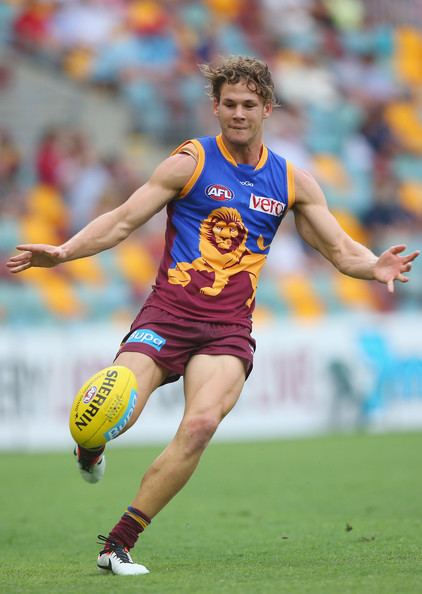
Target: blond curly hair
x,y
234,69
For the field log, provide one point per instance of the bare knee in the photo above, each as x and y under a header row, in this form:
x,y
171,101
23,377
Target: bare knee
x,y
197,431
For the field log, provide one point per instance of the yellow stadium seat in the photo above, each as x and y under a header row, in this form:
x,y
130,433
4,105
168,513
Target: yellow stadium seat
x,y
404,119
77,63
144,13
300,296
408,55
410,193
86,270
36,275
46,202
262,315
56,291
136,264
60,297
228,9
351,225
330,170
36,229
354,293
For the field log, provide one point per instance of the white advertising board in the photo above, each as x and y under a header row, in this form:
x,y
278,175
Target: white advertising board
x,y
337,374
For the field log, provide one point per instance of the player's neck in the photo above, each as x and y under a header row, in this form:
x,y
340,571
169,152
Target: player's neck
x,y
248,154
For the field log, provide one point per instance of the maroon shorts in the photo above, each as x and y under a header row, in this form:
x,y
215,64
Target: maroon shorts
x,y
171,341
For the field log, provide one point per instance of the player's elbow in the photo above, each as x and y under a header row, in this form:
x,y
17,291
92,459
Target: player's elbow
x,y
348,256
125,222
124,229
338,260
338,254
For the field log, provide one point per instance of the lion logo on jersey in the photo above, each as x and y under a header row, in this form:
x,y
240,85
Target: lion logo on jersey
x,y
223,251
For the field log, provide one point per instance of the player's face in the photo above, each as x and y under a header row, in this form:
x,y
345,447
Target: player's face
x,y
241,113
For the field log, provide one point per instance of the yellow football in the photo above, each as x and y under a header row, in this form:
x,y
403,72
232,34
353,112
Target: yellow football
x,y
103,406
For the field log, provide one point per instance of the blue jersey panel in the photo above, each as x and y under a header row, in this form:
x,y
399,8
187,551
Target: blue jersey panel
x,y
260,197
219,234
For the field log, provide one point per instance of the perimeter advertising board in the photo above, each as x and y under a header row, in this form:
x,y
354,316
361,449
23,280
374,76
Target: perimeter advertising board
x,y
339,374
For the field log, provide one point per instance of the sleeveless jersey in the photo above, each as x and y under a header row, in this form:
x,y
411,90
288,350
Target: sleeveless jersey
x,y
219,232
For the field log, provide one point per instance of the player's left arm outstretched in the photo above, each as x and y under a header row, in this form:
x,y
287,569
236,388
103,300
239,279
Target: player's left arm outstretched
x,y
320,229
112,227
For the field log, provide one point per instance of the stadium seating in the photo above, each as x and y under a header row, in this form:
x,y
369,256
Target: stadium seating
x,y
360,123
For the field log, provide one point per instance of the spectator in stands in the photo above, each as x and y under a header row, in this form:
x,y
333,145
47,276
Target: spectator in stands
x,y
378,133
386,211
31,26
348,86
89,23
49,156
287,135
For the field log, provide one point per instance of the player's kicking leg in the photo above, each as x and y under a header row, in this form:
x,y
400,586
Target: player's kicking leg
x,y
91,462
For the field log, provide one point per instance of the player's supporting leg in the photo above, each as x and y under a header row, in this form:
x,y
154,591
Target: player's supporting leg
x,y
91,463
213,384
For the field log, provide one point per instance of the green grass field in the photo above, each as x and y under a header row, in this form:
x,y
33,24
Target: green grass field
x,y
328,515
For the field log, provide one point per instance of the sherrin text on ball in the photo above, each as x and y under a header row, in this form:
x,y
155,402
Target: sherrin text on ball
x,y
103,406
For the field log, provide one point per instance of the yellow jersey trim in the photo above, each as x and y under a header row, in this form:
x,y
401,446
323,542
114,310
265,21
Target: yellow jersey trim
x,y
224,151
228,156
290,184
263,158
200,162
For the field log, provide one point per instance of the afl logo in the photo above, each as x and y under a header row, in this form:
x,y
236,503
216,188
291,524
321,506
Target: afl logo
x,y
89,394
219,192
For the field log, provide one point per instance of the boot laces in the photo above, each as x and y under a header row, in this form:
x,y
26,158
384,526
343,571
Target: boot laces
x,y
121,552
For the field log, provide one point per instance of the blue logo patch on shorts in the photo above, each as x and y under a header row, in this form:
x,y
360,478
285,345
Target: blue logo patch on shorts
x,y
147,337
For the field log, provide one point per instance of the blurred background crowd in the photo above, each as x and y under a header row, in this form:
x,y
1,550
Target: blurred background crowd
x,y
348,77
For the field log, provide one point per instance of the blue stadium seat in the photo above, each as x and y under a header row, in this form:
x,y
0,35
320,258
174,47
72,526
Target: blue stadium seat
x,y
102,302
408,167
10,235
22,305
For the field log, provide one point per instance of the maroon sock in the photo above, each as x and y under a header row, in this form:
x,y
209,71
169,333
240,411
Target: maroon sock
x,y
129,527
89,456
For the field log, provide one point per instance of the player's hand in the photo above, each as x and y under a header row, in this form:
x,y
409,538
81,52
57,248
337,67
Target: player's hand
x,y
35,255
391,266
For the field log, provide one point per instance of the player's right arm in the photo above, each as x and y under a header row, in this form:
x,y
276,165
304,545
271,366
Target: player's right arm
x,y
112,227
319,228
